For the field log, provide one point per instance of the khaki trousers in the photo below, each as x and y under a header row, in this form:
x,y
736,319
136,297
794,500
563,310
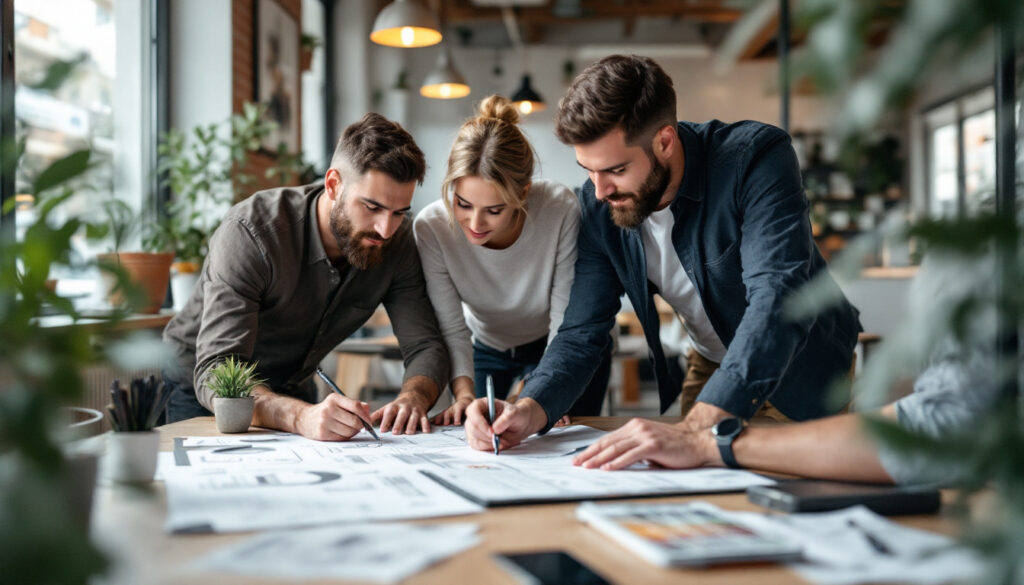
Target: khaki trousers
x,y
698,371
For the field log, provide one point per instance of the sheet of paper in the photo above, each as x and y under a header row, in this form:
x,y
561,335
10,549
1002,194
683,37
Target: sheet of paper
x,y
837,552
385,553
282,497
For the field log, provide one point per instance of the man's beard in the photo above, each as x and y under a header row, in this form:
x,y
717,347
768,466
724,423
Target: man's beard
x,y
645,200
359,255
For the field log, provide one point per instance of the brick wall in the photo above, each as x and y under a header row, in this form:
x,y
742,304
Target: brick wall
x,y
242,68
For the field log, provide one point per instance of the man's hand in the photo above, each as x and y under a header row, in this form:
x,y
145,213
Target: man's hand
x,y
514,422
336,418
673,446
404,414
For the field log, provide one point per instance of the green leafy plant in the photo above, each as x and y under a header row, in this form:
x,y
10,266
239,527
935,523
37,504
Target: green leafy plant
x,y
985,296
207,170
233,378
309,41
40,371
138,407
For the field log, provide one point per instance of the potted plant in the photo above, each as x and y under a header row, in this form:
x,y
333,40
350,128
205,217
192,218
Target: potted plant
x,y
232,381
134,280
132,447
206,170
307,45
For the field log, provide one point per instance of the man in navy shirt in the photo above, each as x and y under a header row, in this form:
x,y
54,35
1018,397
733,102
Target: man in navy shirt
x,y
713,218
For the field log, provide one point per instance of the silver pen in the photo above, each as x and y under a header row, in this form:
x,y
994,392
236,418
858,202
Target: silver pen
x,y
490,412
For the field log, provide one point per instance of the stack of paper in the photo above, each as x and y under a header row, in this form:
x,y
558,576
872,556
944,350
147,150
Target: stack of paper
x,y
856,545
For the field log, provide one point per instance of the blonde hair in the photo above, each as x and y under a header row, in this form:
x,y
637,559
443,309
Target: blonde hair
x,y
491,146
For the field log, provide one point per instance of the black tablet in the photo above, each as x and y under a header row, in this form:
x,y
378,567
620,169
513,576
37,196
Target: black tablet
x,y
821,496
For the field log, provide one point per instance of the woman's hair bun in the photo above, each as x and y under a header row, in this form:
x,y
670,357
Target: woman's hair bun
x,y
500,108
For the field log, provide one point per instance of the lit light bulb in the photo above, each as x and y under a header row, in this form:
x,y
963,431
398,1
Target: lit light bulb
x,y
446,90
408,36
526,106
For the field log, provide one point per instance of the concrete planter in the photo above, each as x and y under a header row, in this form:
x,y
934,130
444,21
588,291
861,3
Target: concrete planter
x,y
233,414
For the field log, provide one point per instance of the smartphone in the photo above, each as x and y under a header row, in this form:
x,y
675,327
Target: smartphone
x,y
548,568
821,496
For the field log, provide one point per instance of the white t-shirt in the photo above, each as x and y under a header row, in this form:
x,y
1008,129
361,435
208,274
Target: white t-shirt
x,y
502,298
666,271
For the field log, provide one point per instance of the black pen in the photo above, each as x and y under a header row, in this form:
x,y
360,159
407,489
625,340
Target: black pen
x,y
490,412
232,448
876,543
334,387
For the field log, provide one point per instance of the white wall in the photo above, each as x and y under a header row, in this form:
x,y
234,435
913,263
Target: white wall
x,y
200,56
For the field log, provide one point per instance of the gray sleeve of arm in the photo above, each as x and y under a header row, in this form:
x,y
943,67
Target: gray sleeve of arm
x,y
948,399
414,322
238,273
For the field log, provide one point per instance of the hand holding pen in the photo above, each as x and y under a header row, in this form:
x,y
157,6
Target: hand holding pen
x,y
490,412
333,386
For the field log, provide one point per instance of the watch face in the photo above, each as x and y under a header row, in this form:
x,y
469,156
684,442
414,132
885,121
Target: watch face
x,y
727,426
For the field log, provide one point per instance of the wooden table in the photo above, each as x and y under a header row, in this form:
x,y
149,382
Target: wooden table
x,y
128,522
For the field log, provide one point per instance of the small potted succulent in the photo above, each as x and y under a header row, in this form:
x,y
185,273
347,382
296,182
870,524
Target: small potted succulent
x,y
231,381
307,45
133,446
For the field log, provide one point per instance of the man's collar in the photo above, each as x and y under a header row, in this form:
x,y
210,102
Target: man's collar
x,y
317,253
692,185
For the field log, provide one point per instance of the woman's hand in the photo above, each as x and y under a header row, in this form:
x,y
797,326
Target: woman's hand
x,y
462,389
454,414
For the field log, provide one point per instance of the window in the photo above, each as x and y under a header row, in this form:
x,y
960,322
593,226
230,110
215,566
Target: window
x,y
100,106
962,154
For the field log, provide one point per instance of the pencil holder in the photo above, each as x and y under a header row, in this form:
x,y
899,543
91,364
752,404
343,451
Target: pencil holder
x,y
131,456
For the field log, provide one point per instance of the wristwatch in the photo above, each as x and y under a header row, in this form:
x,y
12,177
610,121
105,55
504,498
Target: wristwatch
x,y
725,432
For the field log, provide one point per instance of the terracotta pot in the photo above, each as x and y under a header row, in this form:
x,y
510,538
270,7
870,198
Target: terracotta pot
x,y
150,272
305,59
233,414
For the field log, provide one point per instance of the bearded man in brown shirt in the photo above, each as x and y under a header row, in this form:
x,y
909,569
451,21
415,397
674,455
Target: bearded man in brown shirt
x,y
294,271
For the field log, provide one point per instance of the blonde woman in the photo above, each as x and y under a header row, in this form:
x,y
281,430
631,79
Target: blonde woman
x,y
498,252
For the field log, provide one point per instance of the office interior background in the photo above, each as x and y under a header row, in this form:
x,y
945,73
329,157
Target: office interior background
x,y
142,68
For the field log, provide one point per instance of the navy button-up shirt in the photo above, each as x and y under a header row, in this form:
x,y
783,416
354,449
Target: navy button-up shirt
x,y
743,236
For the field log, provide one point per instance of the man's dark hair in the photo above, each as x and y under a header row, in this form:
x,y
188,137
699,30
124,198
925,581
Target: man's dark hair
x,y
375,143
628,91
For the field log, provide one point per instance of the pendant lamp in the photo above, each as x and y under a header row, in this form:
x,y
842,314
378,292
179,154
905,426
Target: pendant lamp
x,y
406,24
444,82
526,98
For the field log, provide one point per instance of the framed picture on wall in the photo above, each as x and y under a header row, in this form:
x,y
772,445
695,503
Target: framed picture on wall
x,y
276,77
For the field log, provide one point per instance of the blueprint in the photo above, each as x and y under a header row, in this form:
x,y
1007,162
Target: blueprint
x,y
279,480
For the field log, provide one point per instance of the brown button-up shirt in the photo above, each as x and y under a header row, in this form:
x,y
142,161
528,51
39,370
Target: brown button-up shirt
x,y
268,293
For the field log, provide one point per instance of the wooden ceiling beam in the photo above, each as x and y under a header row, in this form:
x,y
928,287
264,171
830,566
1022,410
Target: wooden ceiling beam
x,y
457,11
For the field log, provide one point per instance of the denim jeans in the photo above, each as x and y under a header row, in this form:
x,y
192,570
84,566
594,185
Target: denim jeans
x,y
505,367
182,404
